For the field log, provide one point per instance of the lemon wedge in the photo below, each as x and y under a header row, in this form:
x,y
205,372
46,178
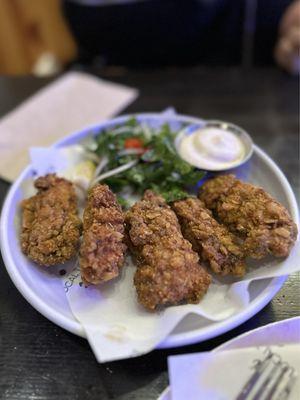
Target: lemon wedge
x,y
83,173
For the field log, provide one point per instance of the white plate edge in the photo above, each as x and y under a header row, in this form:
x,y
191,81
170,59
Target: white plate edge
x,y
173,340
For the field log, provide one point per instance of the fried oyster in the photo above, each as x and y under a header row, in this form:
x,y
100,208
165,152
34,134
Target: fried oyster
x,y
50,229
212,241
248,211
102,251
168,270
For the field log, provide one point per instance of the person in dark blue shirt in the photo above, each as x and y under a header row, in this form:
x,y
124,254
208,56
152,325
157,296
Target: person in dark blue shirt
x,y
178,32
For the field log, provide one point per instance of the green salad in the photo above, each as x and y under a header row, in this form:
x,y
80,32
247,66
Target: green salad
x,y
137,157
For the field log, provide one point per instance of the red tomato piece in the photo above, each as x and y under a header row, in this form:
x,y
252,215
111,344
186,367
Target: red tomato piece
x,y
133,143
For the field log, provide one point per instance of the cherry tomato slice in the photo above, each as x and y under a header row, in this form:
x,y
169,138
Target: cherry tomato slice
x,y
133,143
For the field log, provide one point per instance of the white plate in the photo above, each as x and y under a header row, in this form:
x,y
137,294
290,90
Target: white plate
x,y
282,332
48,296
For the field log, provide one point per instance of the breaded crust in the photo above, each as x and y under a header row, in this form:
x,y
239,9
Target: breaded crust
x,y
248,211
102,250
50,224
168,271
212,241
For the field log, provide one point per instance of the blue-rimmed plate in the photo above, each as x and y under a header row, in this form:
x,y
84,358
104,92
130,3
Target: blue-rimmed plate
x,y
45,292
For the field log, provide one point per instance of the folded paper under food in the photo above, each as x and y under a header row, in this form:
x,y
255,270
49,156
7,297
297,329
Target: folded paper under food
x,y
118,327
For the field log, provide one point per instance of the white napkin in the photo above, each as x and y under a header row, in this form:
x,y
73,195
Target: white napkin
x,y
222,375
70,103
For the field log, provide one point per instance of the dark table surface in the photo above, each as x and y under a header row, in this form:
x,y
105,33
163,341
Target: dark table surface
x,y
39,360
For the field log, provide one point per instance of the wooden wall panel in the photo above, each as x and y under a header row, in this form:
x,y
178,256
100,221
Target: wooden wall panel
x,y
29,28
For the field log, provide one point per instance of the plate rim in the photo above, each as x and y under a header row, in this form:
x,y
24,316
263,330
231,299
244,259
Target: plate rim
x,y
173,340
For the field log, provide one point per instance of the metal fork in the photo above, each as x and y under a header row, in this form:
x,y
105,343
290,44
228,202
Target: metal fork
x,y
272,379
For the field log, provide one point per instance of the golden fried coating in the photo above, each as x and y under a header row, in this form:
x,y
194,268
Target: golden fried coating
x,y
212,241
50,224
102,250
250,212
168,271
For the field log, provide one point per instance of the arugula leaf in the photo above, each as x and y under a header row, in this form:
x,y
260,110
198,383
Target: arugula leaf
x,y
123,202
170,193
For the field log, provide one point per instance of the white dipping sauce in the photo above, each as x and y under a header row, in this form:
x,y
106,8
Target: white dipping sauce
x,y
212,148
